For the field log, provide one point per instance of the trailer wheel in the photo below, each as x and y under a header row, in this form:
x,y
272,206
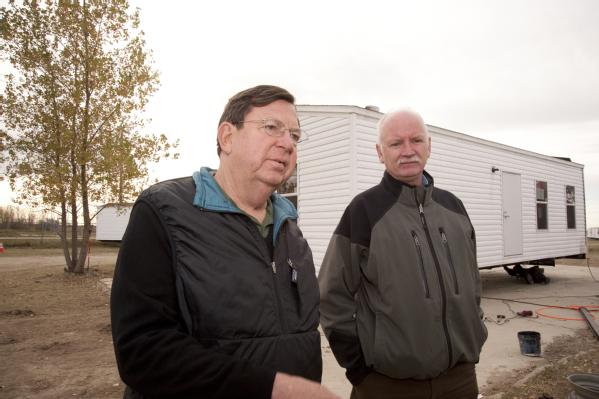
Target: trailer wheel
x,y
532,275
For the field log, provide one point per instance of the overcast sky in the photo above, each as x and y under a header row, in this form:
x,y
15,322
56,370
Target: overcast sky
x,y
522,73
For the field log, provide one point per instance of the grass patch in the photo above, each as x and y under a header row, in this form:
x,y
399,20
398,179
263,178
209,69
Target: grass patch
x,y
37,243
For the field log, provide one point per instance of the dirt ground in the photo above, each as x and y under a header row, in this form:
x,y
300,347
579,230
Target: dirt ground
x,y
55,337
565,356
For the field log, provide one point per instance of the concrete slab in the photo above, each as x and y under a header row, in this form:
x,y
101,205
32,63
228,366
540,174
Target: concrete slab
x,y
569,285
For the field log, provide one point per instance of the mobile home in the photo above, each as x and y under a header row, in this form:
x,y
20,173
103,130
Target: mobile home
x,y
526,208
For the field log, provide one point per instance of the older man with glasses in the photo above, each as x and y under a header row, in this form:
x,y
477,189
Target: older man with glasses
x,y
215,293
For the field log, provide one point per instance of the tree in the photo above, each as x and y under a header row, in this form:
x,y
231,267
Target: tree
x,y
3,137
72,110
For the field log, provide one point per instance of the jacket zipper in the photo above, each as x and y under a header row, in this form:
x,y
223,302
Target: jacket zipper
x,y
293,269
449,257
421,261
275,280
441,283
273,267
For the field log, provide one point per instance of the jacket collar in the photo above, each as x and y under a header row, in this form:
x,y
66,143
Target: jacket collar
x,y
406,193
210,196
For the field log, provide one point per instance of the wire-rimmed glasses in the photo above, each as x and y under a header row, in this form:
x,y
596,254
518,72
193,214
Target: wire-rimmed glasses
x,y
276,128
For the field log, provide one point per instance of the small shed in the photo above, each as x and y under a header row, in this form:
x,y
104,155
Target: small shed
x,y
525,207
111,221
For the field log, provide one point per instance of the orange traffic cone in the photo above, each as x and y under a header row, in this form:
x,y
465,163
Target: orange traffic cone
x,y
1,248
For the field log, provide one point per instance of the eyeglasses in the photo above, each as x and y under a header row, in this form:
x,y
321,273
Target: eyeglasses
x,y
276,128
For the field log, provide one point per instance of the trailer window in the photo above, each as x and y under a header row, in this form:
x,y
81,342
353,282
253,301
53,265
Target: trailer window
x,y
288,189
570,207
542,221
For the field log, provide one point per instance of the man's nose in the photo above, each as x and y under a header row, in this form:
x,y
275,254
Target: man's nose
x,y
286,141
406,150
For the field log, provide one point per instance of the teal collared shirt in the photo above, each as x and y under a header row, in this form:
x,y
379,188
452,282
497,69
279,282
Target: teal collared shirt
x,y
210,196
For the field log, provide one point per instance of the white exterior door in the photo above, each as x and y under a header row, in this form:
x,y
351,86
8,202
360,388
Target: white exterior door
x,y
512,213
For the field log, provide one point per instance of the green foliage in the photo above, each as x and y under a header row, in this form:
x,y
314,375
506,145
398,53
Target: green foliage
x,y
72,111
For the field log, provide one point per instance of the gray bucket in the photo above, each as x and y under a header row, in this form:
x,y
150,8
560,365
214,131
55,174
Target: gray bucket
x,y
586,386
530,343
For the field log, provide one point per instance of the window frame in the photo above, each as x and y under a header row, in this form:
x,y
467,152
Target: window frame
x,y
290,195
542,204
570,203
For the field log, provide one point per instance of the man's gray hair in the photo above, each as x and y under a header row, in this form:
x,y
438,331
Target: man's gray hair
x,y
393,112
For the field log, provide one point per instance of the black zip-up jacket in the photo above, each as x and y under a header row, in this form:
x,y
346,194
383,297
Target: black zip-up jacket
x,y
399,284
199,307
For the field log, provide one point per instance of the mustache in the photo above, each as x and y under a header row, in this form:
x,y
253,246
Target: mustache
x,y
409,160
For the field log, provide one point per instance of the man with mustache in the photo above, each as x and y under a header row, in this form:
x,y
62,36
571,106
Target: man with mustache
x,y
215,293
400,288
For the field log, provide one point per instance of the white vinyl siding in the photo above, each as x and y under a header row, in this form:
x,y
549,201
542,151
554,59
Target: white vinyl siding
x,y
324,187
368,168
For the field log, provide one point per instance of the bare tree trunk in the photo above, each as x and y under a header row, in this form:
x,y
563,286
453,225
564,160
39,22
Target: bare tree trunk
x,y
121,173
63,235
86,220
121,197
74,217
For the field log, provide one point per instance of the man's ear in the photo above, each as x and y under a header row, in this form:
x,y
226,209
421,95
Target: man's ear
x,y
379,151
225,136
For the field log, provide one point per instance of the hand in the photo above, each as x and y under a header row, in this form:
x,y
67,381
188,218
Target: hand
x,y
288,386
